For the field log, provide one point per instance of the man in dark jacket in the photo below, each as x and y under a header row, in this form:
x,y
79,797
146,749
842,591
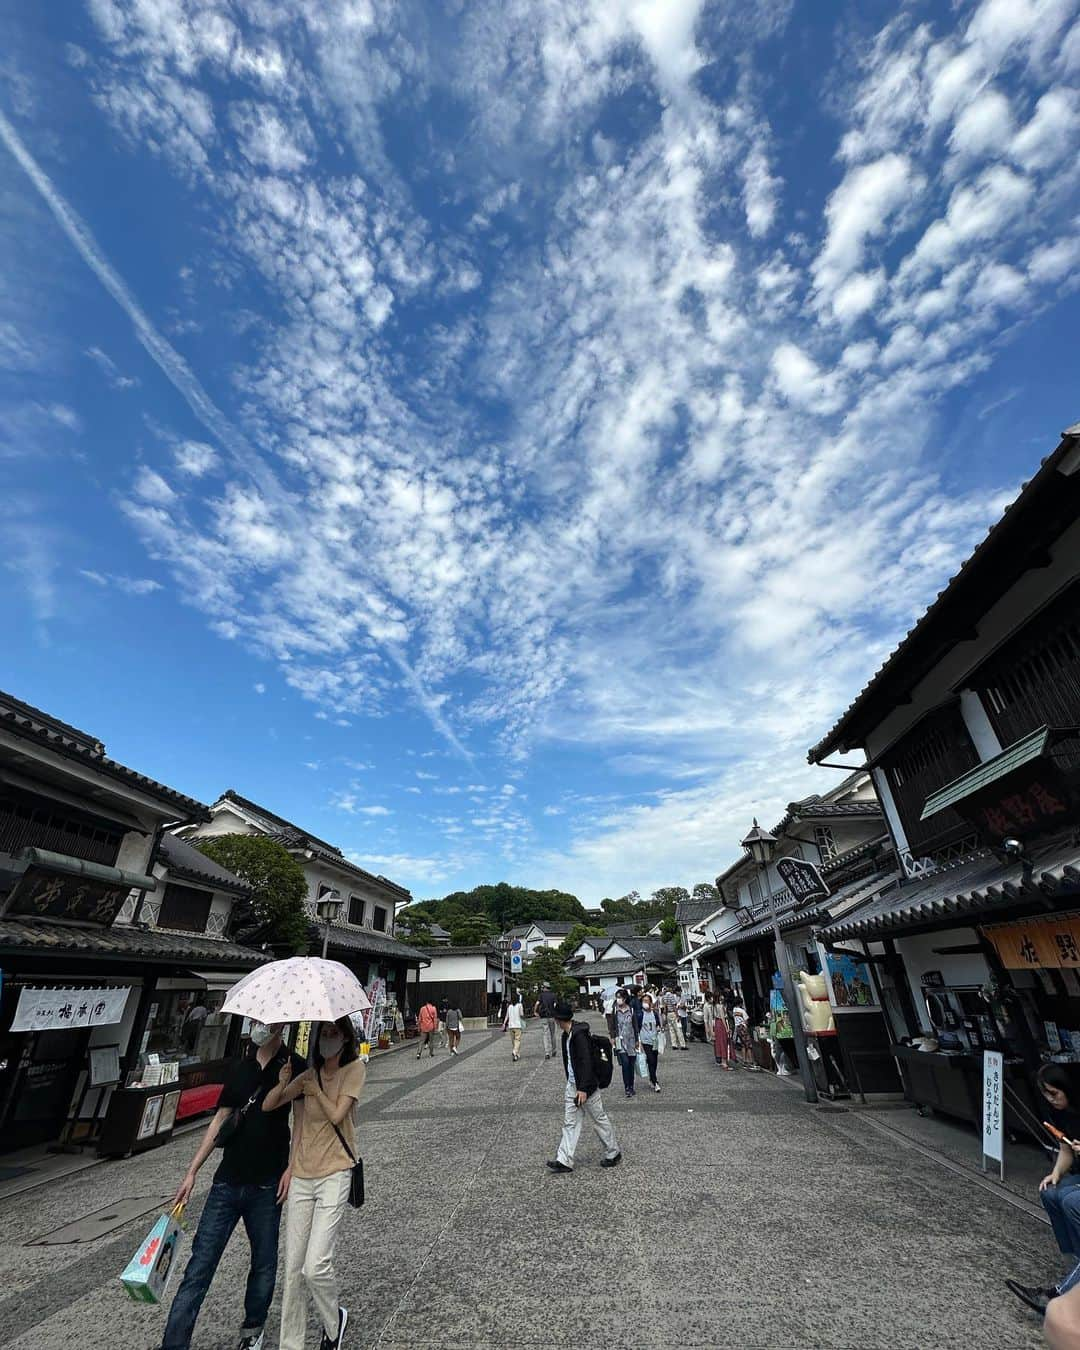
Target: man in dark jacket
x,y
582,1094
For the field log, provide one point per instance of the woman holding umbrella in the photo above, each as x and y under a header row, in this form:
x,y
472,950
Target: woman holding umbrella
x,y
323,1152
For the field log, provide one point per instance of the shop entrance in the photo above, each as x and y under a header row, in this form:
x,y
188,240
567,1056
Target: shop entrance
x,y
38,1075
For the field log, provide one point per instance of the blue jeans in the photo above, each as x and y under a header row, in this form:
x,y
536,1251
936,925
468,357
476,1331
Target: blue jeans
x,y
1062,1204
225,1207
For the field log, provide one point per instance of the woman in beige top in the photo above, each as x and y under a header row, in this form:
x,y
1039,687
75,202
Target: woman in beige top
x,y
321,1167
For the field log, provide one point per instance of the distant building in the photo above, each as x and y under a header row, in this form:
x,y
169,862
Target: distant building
x,y
469,978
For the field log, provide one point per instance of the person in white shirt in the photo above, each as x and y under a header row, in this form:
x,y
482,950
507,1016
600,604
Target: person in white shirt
x,y
514,1022
609,1012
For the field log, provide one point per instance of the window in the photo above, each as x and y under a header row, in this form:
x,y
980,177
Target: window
x,y
823,836
378,921
186,1026
356,910
185,908
932,754
27,822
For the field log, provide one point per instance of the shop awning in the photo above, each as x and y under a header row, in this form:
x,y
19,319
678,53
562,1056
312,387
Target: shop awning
x,y
959,895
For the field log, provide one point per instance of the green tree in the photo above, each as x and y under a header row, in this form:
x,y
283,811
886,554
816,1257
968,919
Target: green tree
x,y
471,931
275,912
705,890
417,929
545,966
663,900
576,936
504,905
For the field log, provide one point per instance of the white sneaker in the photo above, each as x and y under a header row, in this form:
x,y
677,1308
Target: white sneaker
x,y
250,1340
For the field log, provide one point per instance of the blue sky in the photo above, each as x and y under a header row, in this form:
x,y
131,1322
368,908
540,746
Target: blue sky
x,y
502,437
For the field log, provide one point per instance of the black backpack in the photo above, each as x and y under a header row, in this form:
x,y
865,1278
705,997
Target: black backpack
x,y
602,1059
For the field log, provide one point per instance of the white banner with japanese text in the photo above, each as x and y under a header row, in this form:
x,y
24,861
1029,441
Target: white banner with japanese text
x,y
63,1009
993,1103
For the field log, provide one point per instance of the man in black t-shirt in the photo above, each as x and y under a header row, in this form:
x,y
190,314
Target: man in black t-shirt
x,y
250,1184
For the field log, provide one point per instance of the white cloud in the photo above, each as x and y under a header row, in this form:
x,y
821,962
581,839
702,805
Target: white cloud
x,y
196,458
1051,134
126,585
859,211
108,367
983,127
259,688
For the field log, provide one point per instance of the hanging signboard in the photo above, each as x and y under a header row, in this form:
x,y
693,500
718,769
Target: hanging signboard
x,y
53,895
1046,943
802,879
63,1009
993,1108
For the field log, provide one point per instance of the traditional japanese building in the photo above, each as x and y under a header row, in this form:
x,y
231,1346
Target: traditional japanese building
x,y
107,941
971,731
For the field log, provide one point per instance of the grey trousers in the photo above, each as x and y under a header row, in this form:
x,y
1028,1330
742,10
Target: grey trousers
x,y
573,1118
551,1035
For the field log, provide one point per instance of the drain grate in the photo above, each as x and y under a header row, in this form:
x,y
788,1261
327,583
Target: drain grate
x,y
100,1222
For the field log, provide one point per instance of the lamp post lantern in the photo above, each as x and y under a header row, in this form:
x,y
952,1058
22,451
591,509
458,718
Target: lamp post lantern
x,y
328,907
761,846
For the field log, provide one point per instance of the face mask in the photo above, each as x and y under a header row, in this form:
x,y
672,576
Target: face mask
x,y
330,1043
261,1033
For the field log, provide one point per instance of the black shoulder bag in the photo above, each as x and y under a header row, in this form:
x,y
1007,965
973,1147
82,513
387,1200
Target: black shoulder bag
x,y
229,1127
356,1177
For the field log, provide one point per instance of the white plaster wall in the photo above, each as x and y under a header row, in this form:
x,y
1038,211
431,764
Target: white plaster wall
x,y
466,967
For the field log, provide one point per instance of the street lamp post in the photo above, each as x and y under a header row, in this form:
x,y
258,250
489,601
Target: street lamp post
x,y
644,968
502,946
328,907
761,845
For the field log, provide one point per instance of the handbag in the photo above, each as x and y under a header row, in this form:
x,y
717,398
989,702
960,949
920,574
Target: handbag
x,y
642,1065
356,1176
661,1043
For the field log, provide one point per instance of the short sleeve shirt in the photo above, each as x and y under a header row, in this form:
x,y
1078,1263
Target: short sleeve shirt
x,y
258,1152
320,1152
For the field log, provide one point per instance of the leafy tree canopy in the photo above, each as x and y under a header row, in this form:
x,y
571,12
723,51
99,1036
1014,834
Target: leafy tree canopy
x,y
275,913
545,965
705,890
503,905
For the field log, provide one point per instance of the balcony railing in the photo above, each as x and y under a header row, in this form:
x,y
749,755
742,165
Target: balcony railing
x,y
921,864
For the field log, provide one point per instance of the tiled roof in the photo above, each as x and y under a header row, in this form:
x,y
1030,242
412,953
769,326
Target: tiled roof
x,y
594,969
691,912
293,837
961,894
476,949
32,724
125,943
552,927
185,861
374,944
1044,505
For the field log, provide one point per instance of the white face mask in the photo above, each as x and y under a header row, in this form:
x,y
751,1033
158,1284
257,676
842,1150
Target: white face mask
x,y
330,1043
261,1033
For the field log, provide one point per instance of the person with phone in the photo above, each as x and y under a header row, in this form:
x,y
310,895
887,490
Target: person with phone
x,y
1059,1190
250,1186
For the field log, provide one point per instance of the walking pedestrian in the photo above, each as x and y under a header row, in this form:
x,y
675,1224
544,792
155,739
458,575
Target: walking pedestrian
x,y
721,1039
744,1046
708,1014
428,1025
649,1033
625,1040
515,1023
444,1034
582,1096
454,1022
682,1011
609,1012
1059,1190
544,1008
323,1154
250,1185
670,1002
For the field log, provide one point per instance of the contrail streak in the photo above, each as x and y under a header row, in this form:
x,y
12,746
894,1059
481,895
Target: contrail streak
x,y
184,380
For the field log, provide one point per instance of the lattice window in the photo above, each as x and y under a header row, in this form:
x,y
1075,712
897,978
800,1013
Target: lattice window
x,y
27,824
356,910
185,908
823,836
378,921
935,752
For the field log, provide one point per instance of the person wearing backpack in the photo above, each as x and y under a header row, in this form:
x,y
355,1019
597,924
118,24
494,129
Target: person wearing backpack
x,y
582,1097
428,1025
250,1185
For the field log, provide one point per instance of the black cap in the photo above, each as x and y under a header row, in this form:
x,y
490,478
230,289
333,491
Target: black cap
x,y
563,1012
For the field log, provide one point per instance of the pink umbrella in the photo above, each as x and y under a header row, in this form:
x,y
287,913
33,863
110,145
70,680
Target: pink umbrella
x,y
298,989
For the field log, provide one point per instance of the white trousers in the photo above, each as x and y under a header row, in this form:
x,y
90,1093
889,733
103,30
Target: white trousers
x,y
312,1214
675,1033
551,1035
573,1118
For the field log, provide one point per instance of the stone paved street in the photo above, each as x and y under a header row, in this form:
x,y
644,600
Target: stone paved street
x,y
729,1237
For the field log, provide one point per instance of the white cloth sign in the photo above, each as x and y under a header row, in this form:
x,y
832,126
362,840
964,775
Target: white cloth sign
x,y
62,1009
993,1103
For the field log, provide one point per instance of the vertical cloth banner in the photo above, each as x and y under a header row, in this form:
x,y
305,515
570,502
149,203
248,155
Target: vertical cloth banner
x,y
993,1106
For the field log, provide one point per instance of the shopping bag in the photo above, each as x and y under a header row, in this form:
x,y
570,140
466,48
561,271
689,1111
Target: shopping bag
x,y
642,1065
148,1272
661,1043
